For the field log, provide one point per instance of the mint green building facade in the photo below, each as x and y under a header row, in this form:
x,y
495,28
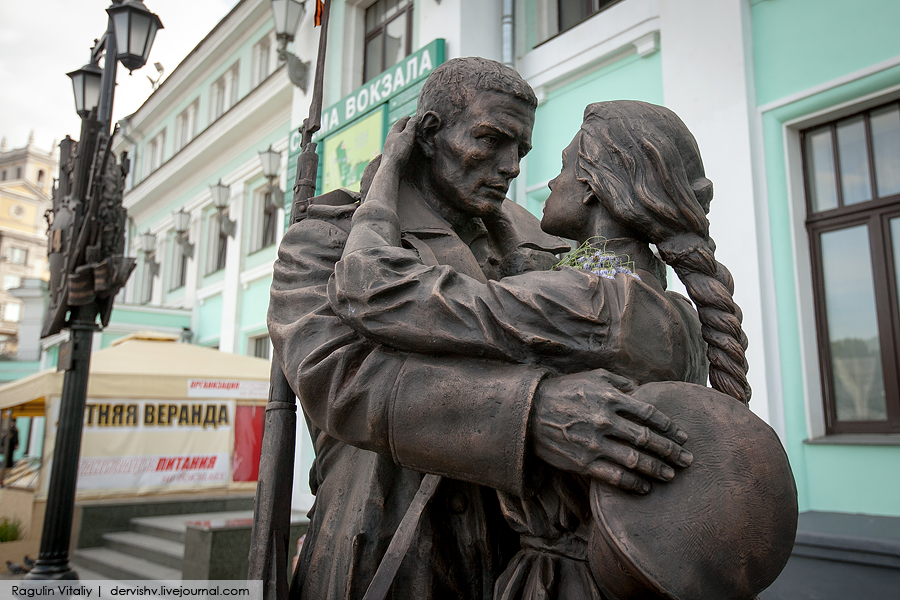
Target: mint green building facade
x,y
843,57
748,77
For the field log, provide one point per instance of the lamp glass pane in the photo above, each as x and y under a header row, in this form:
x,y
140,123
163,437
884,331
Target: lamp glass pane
x,y
220,193
270,162
148,242
120,24
150,38
295,13
279,13
140,32
182,220
78,89
91,91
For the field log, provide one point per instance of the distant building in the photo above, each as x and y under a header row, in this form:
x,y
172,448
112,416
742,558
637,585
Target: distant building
x,y
26,181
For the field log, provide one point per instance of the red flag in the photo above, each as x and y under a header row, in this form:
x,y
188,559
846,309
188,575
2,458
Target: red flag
x,y
320,8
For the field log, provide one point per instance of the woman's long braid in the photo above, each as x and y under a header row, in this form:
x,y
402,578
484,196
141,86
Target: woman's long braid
x,y
652,180
711,287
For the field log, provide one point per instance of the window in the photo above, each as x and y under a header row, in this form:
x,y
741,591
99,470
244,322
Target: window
x,y
12,312
3,175
154,155
852,177
178,272
146,284
11,282
223,93
265,220
186,126
262,60
259,346
562,15
388,35
18,172
16,256
573,12
216,245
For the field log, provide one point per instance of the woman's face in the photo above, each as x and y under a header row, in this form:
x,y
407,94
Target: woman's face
x,y
565,213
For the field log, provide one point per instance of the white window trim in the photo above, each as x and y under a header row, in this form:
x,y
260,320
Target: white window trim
x,y
175,272
154,153
803,283
211,254
186,125
229,83
9,255
12,307
257,220
251,345
257,74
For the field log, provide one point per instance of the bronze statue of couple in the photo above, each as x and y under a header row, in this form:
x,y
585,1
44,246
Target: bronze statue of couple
x,y
432,329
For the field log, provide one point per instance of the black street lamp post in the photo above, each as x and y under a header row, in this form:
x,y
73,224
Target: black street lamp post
x,y
87,258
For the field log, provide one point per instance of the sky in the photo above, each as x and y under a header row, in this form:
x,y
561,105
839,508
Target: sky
x,y
42,40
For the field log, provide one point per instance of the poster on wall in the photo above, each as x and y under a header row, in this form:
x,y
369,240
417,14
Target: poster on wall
x,y
347,152
156,445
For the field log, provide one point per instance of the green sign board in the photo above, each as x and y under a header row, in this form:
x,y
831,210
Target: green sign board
x,y
393,82
346,153
384,99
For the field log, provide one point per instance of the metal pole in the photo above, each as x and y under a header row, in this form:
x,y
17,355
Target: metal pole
x,y
108,82
269,550
53,560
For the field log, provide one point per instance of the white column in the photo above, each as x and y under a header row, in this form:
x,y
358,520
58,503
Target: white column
x,y
708,81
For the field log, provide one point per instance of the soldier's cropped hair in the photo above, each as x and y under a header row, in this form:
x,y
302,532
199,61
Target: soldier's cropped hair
x,y
453,85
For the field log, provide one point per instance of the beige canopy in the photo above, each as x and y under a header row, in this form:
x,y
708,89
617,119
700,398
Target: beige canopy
x,y
147,366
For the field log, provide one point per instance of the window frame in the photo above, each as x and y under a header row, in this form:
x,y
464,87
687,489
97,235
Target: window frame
x,y
380,29
551,26
228,84
146,283
253,343
186,125
10,250
7,306
155,150
264,220
875,214
261,69
216,245
178,266
6,287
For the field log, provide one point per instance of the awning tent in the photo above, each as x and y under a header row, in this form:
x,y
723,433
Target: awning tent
x,y
139,367
156,389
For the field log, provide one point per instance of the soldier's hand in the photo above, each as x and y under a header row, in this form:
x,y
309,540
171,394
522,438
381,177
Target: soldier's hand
x,y
399,142
585,423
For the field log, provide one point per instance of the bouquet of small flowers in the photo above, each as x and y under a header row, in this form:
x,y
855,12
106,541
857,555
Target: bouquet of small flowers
x,y
592,256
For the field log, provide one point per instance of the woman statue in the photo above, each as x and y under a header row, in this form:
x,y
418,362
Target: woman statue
x,y
632,177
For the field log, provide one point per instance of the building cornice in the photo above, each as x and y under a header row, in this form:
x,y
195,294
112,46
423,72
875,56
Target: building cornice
x,y
257,114
214,50
622,30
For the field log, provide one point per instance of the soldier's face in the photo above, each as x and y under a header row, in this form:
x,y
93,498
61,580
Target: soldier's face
x,y
477,155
